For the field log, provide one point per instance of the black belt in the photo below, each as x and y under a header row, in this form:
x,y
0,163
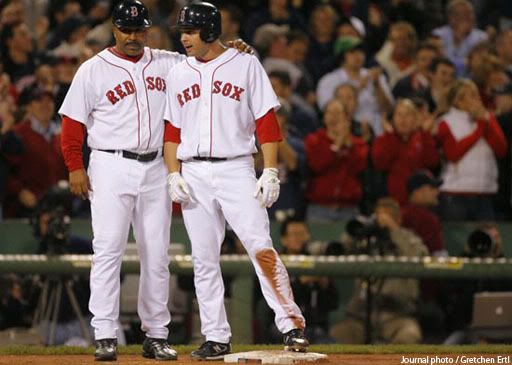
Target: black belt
x,y
209,159
141,157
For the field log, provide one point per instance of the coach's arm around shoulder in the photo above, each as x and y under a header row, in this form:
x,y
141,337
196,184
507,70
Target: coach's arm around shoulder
x,y
72,139
177,186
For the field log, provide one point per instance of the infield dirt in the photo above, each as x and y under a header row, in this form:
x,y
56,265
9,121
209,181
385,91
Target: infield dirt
x,y
342,359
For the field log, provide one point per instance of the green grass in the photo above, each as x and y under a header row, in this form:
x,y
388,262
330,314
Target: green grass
x,y
326,349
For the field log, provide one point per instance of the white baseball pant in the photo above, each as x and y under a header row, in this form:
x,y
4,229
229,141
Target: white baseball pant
x,y
126,191
223,191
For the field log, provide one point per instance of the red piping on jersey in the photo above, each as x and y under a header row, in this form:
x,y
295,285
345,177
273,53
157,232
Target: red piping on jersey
x,y
211,103
147,98
136,99
133,59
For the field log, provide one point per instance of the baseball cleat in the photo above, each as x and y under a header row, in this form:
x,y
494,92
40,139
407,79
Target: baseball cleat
x,y
295,341
211,350
158,349
106,350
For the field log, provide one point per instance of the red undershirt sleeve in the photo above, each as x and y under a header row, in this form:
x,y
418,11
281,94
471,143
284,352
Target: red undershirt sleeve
x,y
171,133
72,140
267,128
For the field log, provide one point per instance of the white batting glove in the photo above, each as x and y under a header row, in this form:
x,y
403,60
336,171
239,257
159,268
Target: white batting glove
x,y
267,187
178,188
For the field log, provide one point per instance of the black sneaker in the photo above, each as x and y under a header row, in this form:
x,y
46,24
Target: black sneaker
x,y
211,350
159,349
106,349
295,340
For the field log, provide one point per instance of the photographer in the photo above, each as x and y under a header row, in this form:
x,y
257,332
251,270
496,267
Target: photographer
x,y
394,304
14,308
51,224
485,242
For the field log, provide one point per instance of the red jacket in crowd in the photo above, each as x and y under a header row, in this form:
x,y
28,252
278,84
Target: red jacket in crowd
x,y
334,176
425,224
399,158
37,169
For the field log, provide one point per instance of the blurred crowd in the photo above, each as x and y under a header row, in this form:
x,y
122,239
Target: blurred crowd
x,y
371,92
397,108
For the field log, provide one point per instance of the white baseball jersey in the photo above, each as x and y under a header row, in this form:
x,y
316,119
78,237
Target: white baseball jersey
x,y
220,123
123,101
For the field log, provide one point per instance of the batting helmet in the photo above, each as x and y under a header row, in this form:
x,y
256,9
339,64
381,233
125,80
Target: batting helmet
x,y
131,14
202,16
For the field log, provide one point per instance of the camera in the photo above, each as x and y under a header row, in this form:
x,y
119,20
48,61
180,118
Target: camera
x,y
58,231
361,227
369,238
52,220
480,244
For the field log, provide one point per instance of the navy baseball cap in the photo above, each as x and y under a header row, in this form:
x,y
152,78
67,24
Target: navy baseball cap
x,y
31,93
421,178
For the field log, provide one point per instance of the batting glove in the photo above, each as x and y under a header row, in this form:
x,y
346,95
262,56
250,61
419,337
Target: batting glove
x,y
267,187
178,188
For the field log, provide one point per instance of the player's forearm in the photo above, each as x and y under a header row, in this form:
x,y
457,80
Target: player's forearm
x,y
270,154
170,157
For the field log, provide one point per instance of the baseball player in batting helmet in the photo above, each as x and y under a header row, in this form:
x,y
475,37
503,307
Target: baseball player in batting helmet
x,y
216,102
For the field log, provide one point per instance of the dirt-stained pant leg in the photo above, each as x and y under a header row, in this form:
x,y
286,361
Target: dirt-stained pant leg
x,y
249,220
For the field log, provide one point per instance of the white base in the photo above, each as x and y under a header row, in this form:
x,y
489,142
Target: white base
x,y
274,357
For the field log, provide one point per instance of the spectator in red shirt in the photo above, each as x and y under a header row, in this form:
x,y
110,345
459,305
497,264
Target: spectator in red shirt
x,y
471,139
41,165
404,148
417,214
336,159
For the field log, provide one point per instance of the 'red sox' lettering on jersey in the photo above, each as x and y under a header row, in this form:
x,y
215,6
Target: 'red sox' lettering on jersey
x,y
120,91
226,89
156,83
127,88
188,94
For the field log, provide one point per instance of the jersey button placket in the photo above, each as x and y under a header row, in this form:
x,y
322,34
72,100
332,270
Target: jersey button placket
x,y
204,114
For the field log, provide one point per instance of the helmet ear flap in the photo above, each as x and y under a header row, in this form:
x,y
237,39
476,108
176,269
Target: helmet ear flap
x,y
207,33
